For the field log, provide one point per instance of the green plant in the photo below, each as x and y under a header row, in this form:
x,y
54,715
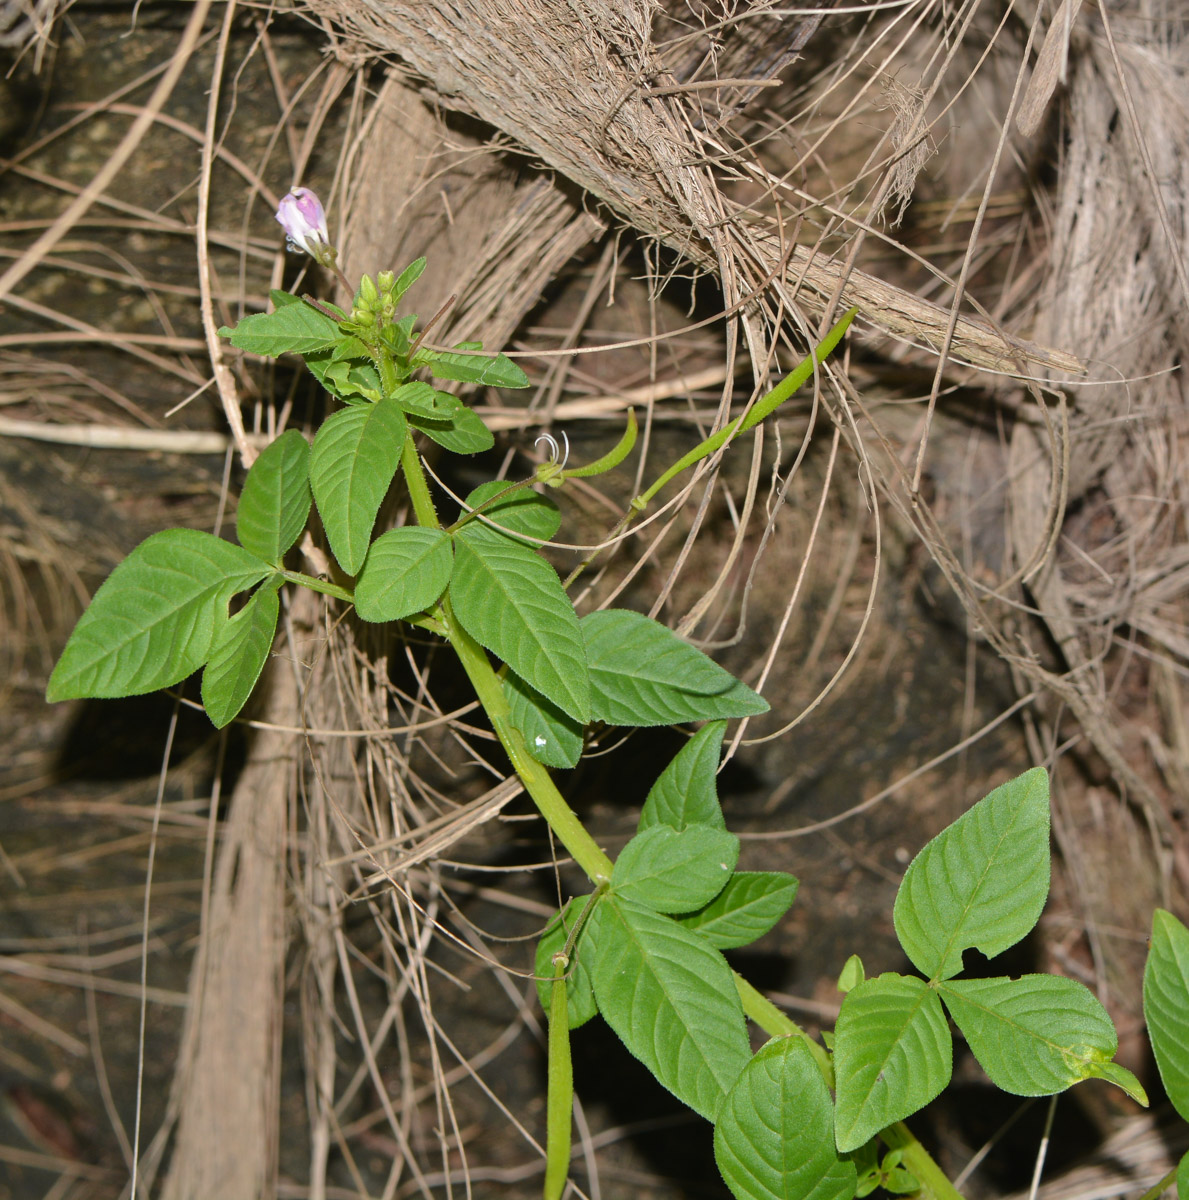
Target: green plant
x,y
644,949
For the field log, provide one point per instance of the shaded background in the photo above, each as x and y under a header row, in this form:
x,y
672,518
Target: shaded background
x,y
339,927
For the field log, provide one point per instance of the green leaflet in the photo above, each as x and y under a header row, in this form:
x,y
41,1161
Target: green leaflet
x,y
774,1137
672,1000
398,336
675,871
407,278
686,792
511,601
580,999
1035,1035
464,433
275,503
485,370
239,653
1183,1177
349,348
1166,1007
405,572
892,1055
552,737
890,1174
352,382
355,456
852,974
980,883
420,400
750,904
293,327
152,621
522,511
643,674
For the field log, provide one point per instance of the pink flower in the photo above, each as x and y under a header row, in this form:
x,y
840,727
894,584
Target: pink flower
x,y
304,220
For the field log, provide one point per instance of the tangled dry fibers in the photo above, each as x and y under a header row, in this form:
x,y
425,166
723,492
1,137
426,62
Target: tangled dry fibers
x,y
1003,194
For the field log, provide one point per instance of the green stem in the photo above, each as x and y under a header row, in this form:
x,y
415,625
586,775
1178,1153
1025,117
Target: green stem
x,y
761,409
771,1020
318,585
415,481
536,779
560,1094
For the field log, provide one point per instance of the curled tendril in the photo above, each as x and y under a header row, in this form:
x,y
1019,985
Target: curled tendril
x,y
555,451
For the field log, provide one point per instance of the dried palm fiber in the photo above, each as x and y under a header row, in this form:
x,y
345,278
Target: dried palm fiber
x,y
584,87
511,232
27,22
226,1084
1113,294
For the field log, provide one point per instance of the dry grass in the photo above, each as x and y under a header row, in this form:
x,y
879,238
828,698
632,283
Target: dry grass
x,y
1008,428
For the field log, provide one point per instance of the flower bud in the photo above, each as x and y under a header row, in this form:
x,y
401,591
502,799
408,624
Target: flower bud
x,y
304,220
368,295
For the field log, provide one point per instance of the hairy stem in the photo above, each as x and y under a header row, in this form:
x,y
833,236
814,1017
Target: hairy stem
x,y
536,778
318,585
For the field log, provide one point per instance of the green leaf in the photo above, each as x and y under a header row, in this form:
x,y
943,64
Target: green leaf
x,y
643,674
852,974
552,737
523,511
1033,1036
672,1000
420,400
355,456
352,382
406,571
484,370
980,883
892,1055
398,336
1121,1077
686,792
239,653
407,278
774,1137
580,998
1183,1177
349,348
866,1161
275,503
510,600
898,1179
750,904
295,327
465,433
675,871
152,621
1166,1005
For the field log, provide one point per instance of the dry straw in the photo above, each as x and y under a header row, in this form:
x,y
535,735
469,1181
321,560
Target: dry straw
x,y
1012,405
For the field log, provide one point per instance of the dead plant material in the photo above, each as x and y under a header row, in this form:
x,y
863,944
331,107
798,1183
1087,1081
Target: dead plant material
x,y
594,99
226,1086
